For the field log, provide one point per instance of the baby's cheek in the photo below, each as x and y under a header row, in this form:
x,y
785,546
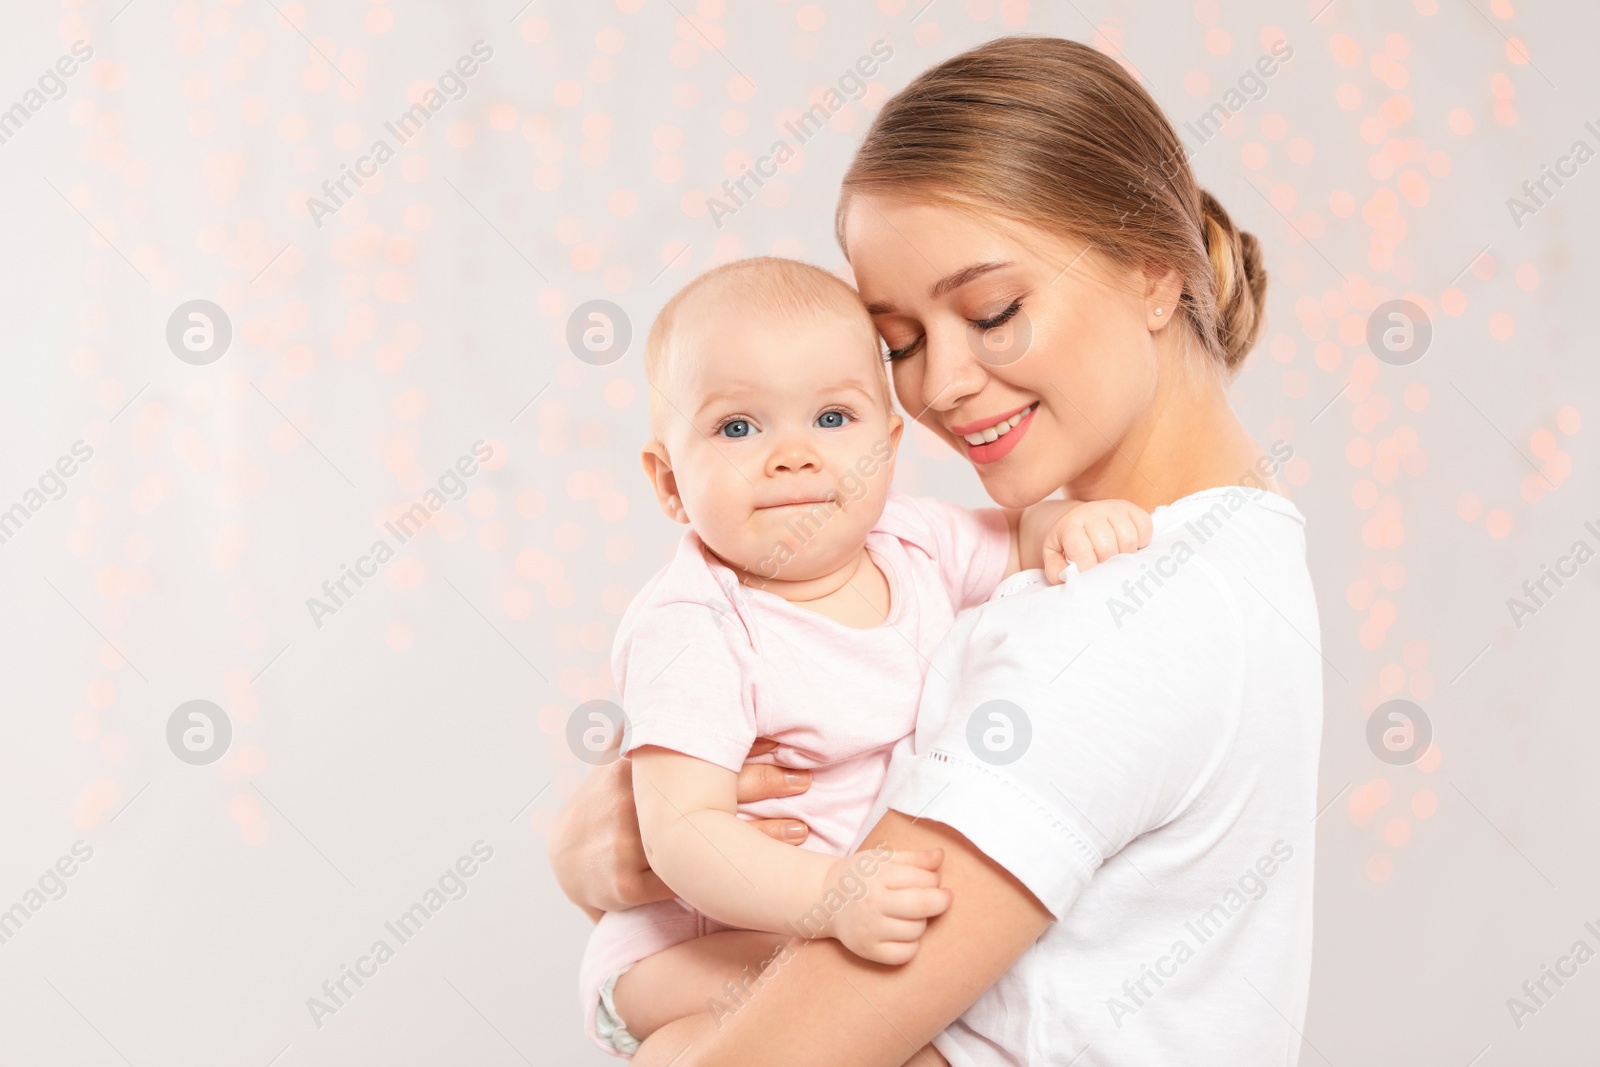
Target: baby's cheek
x,y
852,486
707,504
871,470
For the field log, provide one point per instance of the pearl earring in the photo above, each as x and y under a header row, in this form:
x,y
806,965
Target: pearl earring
x,y
1158,311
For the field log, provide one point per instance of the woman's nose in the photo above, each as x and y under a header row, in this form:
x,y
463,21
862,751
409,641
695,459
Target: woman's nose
x,y
951,372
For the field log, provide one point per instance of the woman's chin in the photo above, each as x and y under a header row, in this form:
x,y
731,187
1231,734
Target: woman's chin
x,y
1014,492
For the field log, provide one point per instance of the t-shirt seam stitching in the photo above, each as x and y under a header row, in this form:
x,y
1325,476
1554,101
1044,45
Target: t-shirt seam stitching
x,y
1093,856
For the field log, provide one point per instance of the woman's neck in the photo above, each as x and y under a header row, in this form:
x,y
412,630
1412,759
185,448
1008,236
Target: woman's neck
x,y
1189,439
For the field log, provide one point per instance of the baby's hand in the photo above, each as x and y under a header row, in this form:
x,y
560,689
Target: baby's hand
x,y
1093,532
889,907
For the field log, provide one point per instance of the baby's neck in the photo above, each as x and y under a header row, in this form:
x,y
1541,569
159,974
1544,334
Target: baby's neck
x,y
856,593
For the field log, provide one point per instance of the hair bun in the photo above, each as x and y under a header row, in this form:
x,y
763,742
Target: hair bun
x,y
1241,281
991,127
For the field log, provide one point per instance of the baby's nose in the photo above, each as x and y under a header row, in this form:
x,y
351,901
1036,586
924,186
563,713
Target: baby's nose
x,y
793,456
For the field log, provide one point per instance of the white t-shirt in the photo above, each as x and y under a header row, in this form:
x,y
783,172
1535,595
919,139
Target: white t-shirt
x,y
1161,795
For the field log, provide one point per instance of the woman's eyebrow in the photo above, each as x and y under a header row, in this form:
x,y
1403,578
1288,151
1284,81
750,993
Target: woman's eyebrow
x,y
944,285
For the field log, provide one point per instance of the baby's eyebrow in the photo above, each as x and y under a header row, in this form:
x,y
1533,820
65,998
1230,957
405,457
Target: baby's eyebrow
x,y
730,394
721,394
855,387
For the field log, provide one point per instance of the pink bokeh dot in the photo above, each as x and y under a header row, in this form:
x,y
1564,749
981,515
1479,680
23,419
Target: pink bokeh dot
x,y
1424,803
492,535
1359,595
517,603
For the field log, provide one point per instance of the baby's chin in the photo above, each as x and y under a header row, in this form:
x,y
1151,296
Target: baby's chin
x,y
805,566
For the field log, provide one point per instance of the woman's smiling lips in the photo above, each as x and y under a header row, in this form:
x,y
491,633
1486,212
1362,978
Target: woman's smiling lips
x,y
990,439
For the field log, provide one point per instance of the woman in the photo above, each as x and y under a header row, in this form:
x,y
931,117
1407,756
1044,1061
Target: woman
x,y
1120,771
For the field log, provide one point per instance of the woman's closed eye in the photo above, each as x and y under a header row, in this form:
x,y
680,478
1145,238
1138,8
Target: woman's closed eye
x,y
981,325
1000,319
893,353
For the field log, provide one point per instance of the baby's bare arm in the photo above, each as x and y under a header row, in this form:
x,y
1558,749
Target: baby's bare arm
x,y
1053,533
695,841
1033,529
876,902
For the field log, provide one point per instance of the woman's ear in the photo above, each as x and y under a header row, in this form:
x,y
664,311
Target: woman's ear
x,y
658,468
1162,291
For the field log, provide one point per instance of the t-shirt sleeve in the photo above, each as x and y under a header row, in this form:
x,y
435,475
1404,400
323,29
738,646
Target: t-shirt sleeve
x,y
684,673
972,546
1061,736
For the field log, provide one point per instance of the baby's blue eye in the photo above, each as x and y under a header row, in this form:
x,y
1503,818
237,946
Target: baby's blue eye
x,y
831,420
736,428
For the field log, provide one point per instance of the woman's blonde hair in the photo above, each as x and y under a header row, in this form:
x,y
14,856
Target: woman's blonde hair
x,y
1054,134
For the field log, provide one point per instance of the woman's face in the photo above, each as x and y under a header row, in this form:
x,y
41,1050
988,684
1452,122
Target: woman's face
x,y
999,326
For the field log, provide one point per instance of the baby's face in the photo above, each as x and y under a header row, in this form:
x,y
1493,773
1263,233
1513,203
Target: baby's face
x,y
787,454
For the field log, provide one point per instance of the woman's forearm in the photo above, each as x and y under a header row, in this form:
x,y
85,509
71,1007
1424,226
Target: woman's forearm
x,y
875,1016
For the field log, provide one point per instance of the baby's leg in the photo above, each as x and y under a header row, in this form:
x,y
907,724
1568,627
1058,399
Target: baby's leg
x,y
685,979
673,1040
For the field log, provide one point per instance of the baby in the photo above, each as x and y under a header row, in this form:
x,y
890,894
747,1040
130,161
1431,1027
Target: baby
x,y
803,605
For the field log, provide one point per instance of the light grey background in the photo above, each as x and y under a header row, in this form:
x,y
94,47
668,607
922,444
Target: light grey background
x,y
430,313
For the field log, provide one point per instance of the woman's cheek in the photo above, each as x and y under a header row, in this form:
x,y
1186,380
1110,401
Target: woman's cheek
x,y
907,384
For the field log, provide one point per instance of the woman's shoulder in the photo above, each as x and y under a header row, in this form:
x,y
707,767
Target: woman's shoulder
x,y
1179,600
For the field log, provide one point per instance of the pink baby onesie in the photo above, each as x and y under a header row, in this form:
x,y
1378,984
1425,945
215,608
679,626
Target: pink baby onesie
x,y
705,665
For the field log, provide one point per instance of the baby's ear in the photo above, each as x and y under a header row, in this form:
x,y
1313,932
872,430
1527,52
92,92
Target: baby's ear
x,y
897,428
658,468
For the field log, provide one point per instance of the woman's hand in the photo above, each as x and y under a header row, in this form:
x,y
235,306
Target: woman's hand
x,y
595,848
